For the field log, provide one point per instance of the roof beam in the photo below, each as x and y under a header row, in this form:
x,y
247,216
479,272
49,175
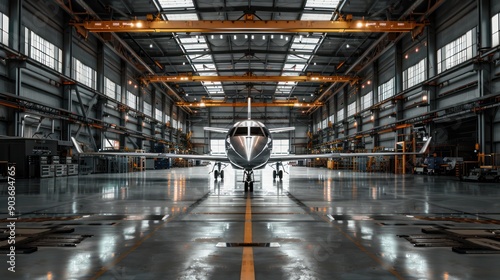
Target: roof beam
x,y
275,103
247,78
249,26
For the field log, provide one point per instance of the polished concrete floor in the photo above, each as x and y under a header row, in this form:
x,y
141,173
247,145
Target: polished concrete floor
x,y
316,224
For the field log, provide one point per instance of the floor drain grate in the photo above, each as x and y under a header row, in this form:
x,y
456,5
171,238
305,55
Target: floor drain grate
x,y
249,244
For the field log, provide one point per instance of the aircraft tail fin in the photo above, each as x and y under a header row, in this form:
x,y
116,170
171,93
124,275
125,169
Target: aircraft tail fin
x,y
249,108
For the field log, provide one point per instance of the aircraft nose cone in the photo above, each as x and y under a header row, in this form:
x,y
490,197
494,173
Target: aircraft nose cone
x,y
249,147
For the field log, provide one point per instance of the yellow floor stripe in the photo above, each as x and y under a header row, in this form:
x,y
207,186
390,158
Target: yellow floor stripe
x,y
247,264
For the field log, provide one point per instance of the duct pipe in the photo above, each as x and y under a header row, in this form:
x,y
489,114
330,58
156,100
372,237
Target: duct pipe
x,y
23,122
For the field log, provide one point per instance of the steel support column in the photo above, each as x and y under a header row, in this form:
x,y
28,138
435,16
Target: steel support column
x,y
375,112
123,95
484,135
67,88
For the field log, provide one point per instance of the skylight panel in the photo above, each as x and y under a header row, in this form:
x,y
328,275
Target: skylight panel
x,y
168,4
189,16
192,40
306,40
293,67
204,66
309,16
326,4
307,47
297,58
189,47
200,58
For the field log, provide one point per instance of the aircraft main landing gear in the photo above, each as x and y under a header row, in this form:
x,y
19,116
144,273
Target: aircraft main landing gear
x,y
278,172
248,180
218,172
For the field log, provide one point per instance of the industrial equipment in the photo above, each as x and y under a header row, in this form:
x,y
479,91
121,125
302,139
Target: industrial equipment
x,y
482,174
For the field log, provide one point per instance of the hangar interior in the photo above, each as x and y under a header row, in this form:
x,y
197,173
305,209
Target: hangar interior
x,y
350,76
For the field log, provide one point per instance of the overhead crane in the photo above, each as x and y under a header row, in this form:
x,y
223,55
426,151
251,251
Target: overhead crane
x,y
249,26
222,103
247,78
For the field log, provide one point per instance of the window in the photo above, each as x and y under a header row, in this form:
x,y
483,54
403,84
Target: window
x,y
158,114
4,29
414,75
495,32
43,51
324,124
351,109
281,147
112,90
331,119
386,90
167,120
132,100
110,144
217,146
148,110
174,123
340,115
456,52
367,100
84,74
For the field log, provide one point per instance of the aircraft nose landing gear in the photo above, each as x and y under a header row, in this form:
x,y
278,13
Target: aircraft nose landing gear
x,y
248,180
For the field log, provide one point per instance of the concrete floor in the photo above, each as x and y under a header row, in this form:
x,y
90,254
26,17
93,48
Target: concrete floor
x,y
316,224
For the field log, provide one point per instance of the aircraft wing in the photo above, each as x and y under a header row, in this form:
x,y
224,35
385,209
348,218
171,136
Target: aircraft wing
x,y
216,129
281,129
341,155
221,158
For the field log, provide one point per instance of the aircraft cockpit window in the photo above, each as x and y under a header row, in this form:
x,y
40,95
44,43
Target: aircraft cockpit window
x,y
256,131
241,131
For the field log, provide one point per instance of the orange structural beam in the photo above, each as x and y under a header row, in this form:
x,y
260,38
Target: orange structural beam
x,y
250,26
210,103
249,78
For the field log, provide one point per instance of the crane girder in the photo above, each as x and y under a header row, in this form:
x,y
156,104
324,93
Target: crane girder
x,y
250,26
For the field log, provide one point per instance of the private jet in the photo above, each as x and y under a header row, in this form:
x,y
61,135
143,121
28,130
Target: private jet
x,y
248,146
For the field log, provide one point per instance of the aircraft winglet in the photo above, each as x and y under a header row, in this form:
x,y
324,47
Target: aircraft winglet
x,y
77,145
426,145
